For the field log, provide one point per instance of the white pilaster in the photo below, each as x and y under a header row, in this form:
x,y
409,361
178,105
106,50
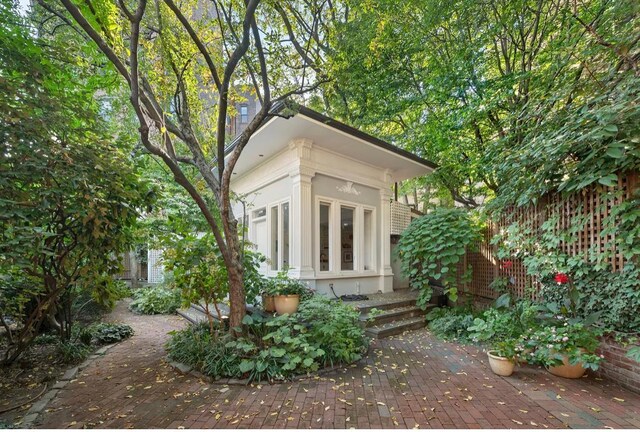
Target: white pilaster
x,y
386,273
301,208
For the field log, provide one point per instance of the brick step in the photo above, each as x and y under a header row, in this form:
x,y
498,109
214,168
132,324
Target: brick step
x,y
395,327
390,315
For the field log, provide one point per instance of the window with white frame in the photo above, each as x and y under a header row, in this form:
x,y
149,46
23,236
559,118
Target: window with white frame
x,y
346,237
279,246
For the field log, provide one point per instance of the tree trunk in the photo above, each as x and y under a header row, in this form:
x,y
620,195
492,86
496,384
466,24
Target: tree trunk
x,y
237,298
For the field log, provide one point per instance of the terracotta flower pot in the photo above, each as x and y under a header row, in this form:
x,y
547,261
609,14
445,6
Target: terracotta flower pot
x,y
287,304
500,365
567,370
268,303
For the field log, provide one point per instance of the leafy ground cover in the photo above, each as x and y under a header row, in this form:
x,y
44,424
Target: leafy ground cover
x,y
156,299
322,333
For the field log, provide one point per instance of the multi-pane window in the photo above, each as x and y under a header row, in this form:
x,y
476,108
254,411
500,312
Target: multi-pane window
x,y
325,244
346,237
244,114
369,235
279,249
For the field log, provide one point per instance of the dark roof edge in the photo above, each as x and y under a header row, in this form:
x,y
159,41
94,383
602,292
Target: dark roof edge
x,y
296,108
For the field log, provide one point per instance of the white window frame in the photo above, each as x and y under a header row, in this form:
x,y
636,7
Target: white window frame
x,y
335,246
280,257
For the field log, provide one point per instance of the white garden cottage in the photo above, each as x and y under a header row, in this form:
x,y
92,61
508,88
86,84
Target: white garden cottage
x,y
316,196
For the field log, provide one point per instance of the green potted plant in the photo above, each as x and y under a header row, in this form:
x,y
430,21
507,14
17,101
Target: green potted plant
x,y
566,350
287,293
503,356
566,342
268,296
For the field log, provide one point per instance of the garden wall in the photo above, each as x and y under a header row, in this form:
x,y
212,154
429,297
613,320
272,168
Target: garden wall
x,y
617,367
594,204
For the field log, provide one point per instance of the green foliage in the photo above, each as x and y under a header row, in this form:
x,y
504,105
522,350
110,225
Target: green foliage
x,y
511,99
45,339
108,333
509,348
634,353
68,196
320,334
549,343
335,326
71,351
432,248
198,269
504,321
282,284
190,346
614,295
120,290
156,299
451,323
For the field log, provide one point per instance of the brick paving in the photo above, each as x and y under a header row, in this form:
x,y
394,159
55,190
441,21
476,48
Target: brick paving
x,y
408,381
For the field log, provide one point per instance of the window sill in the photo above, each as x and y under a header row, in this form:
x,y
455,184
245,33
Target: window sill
x,y
346,275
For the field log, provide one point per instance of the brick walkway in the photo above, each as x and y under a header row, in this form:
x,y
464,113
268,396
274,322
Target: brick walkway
x,y
408,381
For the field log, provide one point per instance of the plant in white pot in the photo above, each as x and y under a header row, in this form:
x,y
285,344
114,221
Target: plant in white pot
x,y
503,357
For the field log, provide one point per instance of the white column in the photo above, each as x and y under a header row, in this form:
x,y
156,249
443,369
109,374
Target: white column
x,y
301,208
386,273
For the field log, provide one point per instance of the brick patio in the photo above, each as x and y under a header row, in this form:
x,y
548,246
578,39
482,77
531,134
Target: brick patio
x,y
408,381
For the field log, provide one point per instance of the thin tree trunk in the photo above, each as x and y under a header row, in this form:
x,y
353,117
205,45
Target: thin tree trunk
x,y
236,296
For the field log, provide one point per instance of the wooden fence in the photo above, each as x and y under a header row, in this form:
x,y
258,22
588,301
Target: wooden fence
x,y
591,206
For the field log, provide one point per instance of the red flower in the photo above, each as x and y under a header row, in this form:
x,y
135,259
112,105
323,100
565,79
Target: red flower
x,y
561,278
507,265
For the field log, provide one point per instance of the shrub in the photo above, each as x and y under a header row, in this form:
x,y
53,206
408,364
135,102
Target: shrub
x,y
614,295
334,326
503,321
106,333
320,334
191,345
46,339
72,352
155,300
431,248
451,323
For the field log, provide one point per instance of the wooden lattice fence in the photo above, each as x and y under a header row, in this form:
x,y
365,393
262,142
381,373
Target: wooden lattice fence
x,y
592,207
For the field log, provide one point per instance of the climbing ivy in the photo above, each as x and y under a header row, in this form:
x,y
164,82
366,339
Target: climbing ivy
x,y
433,246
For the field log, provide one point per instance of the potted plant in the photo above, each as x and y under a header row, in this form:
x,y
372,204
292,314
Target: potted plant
x,y
566,350
566,341
287,293
503,357
268,296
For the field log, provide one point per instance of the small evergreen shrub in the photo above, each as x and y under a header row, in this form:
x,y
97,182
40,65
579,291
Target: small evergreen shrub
x,y
154,300
451,323
72,351
46,339
107,333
